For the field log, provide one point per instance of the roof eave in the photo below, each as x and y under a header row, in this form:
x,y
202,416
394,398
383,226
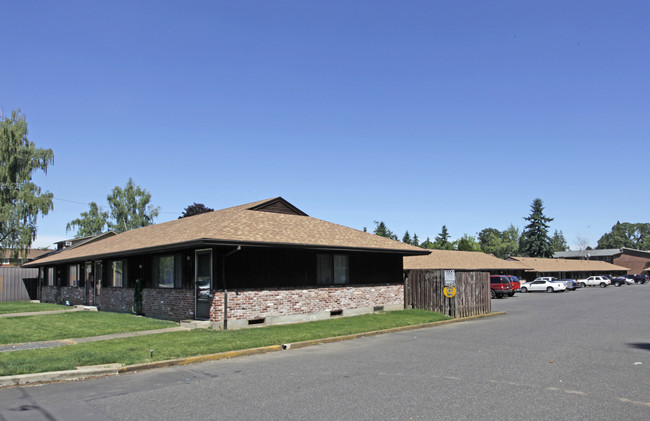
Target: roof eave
x,y
211,242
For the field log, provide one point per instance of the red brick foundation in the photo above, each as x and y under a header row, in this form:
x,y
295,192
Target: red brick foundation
x,y
259,304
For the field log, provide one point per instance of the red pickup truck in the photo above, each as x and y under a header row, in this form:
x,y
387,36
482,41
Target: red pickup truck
x,y
500,286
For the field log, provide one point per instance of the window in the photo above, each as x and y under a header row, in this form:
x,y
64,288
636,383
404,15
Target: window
x,y
117,273
332,269
73,275
50,277
167,271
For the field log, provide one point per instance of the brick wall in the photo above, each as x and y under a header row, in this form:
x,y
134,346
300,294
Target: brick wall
x,y
59,295
635,263
119,300
257,304
173,304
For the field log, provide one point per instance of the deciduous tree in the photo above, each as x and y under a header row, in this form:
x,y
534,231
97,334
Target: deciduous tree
x,y
89,223
21,201
195,209
130,208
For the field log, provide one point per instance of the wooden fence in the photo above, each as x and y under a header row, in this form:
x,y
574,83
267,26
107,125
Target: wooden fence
x,y
17,284
423,289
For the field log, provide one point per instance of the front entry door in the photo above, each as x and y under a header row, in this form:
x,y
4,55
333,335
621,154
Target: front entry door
x,y
203,283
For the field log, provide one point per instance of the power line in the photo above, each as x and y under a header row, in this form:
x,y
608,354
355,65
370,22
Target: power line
x,y
88,204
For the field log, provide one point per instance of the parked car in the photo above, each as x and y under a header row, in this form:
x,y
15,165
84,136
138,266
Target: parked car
x,y
515,283
593,281
619,280
570,284
629,279
543,284
641,279
500,286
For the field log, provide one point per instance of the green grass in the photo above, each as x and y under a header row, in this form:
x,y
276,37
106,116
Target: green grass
x,y
76,324
200,342
27,307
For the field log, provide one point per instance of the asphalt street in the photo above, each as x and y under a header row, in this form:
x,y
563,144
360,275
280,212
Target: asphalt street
x,y
573,355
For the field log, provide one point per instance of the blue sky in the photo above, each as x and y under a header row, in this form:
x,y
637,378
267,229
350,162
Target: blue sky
x,y
417,113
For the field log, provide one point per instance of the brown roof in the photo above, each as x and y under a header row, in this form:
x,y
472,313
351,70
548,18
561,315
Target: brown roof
x,y
539,264
460,260
237,225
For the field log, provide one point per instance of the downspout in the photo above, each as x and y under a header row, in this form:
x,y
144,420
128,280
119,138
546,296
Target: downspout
x,y
225,286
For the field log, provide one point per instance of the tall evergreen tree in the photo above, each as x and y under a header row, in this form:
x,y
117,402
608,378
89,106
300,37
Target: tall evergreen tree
x,y
442,240
535,239
407,238
558,242
415,241
382,230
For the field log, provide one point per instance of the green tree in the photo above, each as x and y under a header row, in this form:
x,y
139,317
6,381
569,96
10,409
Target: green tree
x,y
427,244
130,208
490,241
407,238
510,241
535,239
197,209
416,241
630,235
89,223
383,231
558,242
21,200
442,240
468,243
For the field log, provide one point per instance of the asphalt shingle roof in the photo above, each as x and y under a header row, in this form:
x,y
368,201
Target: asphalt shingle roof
x,y
539,264
460,260
235,225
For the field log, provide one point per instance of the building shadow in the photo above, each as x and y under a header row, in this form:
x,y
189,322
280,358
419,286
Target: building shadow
x,y
645,346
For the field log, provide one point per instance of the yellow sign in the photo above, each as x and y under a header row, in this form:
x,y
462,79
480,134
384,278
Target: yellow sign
x,y
449,291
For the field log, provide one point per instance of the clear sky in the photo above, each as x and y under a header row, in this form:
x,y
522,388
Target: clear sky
x,y
417,113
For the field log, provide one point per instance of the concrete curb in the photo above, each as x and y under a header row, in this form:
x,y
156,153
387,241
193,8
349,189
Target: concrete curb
x,y
82,373
295,345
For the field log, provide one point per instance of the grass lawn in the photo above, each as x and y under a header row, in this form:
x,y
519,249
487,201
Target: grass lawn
x,y
27,307
76,324
199,342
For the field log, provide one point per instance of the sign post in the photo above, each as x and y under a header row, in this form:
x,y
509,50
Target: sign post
x,y
450,289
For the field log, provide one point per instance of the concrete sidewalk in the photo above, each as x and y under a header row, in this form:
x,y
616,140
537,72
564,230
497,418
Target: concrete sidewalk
x,y
73,341
39,313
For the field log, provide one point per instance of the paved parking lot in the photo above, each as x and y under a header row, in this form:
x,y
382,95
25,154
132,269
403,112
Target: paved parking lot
x,y
572,355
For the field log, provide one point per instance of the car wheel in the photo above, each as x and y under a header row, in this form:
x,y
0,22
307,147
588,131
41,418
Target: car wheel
x,y
511,294
524,289
493,294
582,284
549,289
603,285
618,284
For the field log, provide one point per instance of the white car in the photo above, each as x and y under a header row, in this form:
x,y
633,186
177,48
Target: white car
x,y
543,284
593,281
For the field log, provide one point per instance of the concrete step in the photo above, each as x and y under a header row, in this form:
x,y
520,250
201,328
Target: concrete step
x,y
196,324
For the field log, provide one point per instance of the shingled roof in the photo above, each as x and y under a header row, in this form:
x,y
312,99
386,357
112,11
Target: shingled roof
x,y
538,264
460,260
271,222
